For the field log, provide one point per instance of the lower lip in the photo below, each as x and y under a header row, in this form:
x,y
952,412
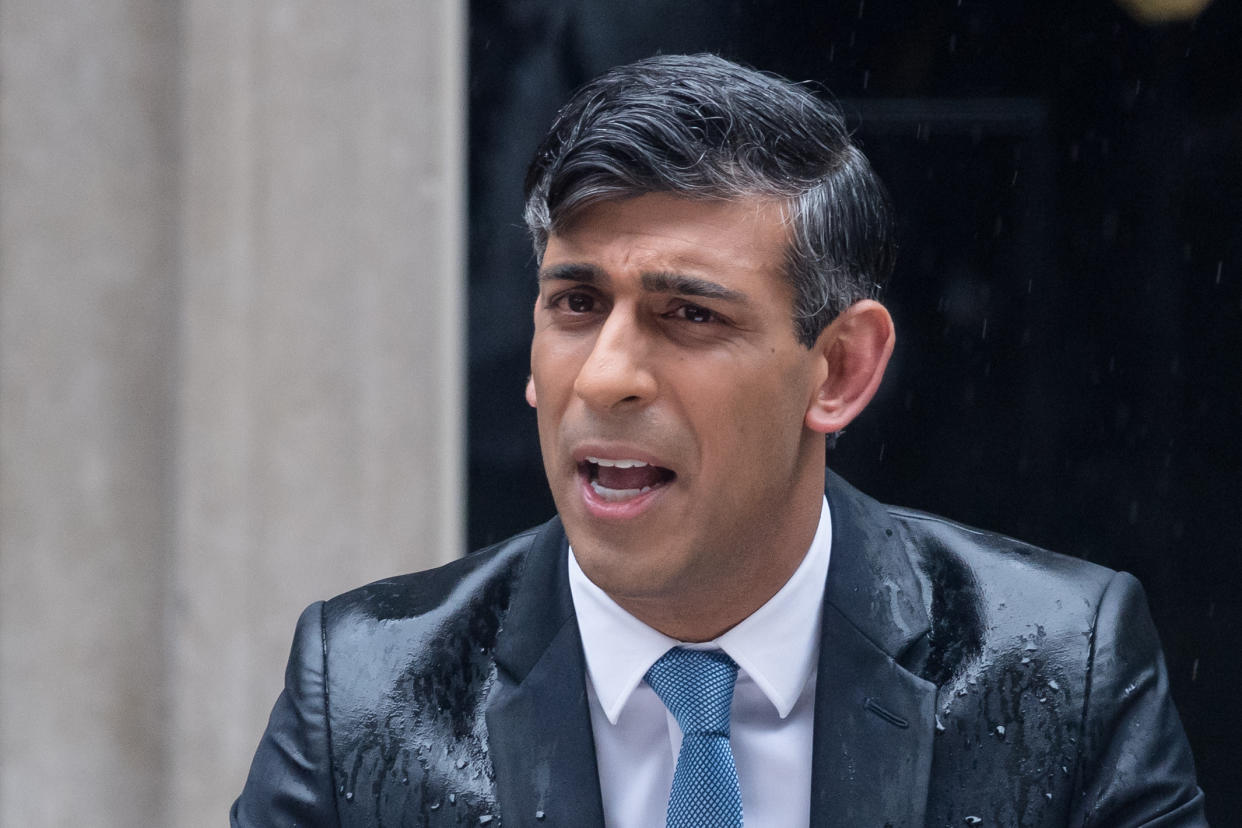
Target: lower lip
x,y
617,509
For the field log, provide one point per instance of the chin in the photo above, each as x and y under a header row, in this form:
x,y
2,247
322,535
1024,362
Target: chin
x,y
623,571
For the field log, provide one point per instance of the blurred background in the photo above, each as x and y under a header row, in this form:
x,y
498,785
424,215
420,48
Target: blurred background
x,y
264,318
1068,294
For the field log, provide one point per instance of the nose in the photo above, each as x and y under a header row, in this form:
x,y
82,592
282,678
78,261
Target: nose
x,y
617,370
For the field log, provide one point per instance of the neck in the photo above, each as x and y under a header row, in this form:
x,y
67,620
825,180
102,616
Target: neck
x,y
705,610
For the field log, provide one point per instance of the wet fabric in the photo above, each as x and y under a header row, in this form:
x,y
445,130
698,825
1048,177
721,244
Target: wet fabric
x,y
964,678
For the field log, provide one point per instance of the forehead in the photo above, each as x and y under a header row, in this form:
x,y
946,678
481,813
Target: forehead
x,y
660,232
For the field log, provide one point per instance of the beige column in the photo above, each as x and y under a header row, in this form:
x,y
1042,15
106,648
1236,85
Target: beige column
x,y
320,385
230,370
87,323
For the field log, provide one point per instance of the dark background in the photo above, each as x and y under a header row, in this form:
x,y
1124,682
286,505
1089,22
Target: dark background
x,y
1068,295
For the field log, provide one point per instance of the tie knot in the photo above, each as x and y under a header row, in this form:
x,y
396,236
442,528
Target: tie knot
x,y
697,688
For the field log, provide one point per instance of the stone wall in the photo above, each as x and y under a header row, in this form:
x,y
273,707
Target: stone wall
x,y
230,370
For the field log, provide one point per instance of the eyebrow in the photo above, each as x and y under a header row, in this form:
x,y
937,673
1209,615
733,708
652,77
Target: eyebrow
x,y
583,273
689,286
658,282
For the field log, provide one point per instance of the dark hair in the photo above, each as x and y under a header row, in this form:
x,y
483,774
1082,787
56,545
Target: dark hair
x,y
704,127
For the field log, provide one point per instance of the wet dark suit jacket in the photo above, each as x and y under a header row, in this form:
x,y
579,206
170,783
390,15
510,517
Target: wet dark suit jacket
x,y
964,679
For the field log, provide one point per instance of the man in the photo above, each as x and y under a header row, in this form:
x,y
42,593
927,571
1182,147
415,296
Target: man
x,y
707,633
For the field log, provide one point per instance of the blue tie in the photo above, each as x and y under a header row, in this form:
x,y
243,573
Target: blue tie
x,y
697,688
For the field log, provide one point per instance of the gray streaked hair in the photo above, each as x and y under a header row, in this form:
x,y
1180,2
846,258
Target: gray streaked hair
x,y
704,127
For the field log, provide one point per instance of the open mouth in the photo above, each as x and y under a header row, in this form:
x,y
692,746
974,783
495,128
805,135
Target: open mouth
x,y
620,479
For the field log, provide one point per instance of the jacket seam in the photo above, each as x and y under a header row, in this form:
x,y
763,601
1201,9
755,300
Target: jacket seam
x,y
327,719
1089,680
901,513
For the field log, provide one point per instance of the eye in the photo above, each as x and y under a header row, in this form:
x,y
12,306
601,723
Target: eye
x,y
573,302
579,303
694,313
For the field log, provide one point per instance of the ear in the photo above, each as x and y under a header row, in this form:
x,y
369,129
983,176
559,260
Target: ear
x,y
855,349
530,378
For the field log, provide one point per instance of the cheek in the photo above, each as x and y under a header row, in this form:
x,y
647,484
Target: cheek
x,y
765,420
741,419
552,373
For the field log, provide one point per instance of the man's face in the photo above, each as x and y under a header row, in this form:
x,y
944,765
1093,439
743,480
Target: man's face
x,y
671,396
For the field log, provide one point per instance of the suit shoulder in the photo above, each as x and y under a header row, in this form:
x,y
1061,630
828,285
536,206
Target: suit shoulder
x,y
995,600
1037,654
998,563
408,665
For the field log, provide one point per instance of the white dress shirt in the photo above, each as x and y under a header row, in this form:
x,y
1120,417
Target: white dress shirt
x,y
636,737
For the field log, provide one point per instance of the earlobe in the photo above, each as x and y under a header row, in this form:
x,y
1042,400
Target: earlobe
x,y
855,348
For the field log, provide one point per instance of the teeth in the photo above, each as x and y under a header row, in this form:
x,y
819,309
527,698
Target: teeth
x,y
617,494
620,464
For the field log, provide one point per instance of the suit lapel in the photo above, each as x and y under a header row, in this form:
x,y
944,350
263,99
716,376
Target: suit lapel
x,y
538,722
874,720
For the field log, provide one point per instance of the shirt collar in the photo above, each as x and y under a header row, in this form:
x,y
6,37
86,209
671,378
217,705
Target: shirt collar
x,y
620,649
